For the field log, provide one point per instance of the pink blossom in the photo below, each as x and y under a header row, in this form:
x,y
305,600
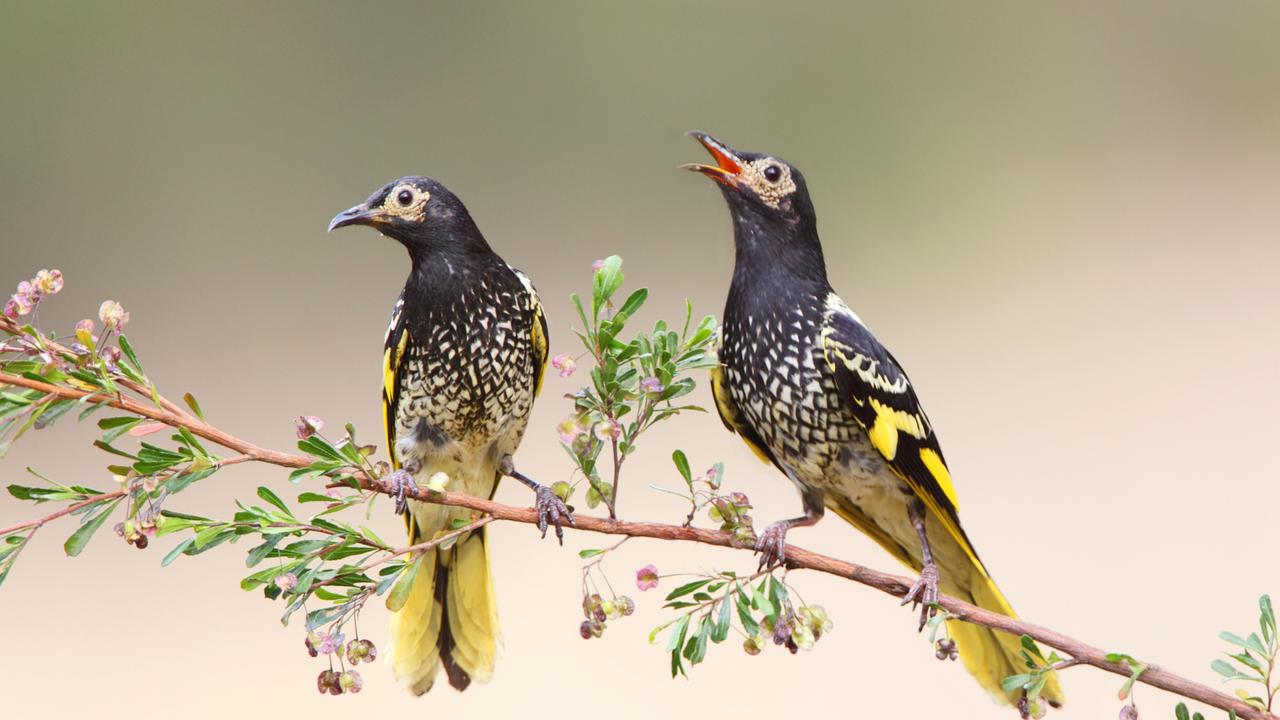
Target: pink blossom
x,y
647,578
597,265
112,315
651,385
569,429
607,429
49,282
565,364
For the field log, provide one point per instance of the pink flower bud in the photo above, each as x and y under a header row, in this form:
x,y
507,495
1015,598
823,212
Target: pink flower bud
x,y
308,425
651,385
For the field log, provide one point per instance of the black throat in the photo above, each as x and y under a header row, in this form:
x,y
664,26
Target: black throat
x,y
777,263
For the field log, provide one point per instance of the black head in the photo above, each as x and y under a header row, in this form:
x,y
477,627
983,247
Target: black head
x,y
773,218
419,212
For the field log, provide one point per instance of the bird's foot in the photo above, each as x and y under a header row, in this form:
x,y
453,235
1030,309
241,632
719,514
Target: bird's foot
x,y
402,483
924,594
772,545
550,508
551,511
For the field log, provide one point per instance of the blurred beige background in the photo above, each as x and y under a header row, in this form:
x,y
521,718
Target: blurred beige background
x,y
1062,217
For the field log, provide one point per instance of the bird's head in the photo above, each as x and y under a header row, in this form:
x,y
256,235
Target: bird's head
x,y
758,187
773,218
419,212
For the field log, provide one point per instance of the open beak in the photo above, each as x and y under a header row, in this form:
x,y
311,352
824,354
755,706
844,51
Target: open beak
x,y
358,215
727,167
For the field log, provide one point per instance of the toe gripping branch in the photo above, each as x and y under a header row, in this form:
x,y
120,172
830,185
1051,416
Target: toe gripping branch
x,y
550,508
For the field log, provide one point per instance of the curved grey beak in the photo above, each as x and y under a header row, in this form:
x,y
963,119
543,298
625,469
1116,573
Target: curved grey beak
x,y
358,215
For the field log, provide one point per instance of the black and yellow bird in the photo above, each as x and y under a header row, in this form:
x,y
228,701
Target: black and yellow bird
x,y
464,359
811,390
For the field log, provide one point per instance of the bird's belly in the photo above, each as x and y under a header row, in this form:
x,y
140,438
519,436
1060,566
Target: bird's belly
x,y
473,471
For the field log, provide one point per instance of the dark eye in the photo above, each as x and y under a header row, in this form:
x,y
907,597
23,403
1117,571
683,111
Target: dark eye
x,y
405,197
773,173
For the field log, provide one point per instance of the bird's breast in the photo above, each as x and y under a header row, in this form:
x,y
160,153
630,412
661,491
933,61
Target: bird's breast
x,y
777,377
468,371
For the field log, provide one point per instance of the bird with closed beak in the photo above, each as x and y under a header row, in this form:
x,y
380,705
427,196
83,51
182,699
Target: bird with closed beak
x,y
463,360
808,387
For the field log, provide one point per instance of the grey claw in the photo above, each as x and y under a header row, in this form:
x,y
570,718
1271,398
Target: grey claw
x,y
772,546
400,482
924,595
551,511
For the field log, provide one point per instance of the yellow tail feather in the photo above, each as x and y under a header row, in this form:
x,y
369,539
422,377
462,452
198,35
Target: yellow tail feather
x,y
990,655
449,620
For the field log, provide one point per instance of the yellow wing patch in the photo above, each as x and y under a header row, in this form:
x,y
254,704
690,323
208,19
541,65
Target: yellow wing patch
x,y
390,377
938,469
889,422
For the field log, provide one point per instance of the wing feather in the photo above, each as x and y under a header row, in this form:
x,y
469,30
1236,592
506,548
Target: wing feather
x,y
875,387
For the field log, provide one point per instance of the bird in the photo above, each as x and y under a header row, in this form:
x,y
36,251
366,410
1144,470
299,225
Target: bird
x,y
810,390
463,360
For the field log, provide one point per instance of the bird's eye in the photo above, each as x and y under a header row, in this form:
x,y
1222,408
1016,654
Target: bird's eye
x,y
773,173
405,197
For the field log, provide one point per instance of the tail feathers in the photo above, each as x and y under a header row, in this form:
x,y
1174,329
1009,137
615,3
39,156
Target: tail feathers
x,y
990,655
449,620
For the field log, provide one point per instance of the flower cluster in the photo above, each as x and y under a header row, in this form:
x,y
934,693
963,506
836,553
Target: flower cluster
x,y
31,292
731,512
135,532
335,682
597,610
797,630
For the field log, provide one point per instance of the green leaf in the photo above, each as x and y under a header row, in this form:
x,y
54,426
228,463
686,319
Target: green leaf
x,y
177,550
190,400
761,603
686,588
258,553
634,301
400,592
127,348
1224,668
1013,682
80,538
307,497
590,552
682,464
676,639
266,494
721,630
606,282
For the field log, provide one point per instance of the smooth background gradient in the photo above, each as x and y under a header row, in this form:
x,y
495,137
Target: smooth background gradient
x,y
1062,218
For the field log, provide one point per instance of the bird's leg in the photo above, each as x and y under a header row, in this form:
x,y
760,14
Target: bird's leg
x,y
925,591
550,508
401,481
772,543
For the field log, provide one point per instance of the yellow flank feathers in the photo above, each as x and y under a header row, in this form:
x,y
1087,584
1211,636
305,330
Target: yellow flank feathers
x,y
728,415
541,345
